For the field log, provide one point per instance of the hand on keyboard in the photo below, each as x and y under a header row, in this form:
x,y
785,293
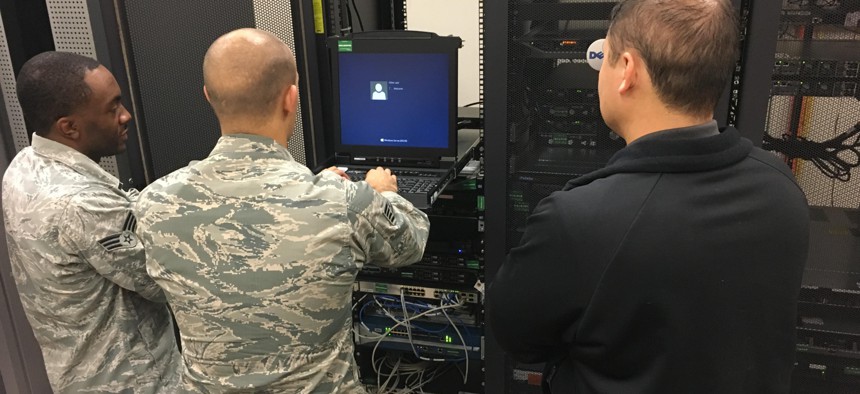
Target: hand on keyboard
x,y
338,171
381,180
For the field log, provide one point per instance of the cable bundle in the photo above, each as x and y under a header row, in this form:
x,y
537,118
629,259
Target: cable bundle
x,y
404,313
834,158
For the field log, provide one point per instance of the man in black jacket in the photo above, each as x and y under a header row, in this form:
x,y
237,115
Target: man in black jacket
x,y
676,268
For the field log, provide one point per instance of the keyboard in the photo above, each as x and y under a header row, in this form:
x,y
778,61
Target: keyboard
x,y
418,186
407,181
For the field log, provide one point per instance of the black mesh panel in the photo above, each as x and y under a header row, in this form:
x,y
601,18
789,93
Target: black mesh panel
x,y
813,123
168,40
555,132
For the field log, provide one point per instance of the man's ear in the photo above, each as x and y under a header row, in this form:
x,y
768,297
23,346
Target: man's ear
x,y
68,128
206,94
630,73
291,99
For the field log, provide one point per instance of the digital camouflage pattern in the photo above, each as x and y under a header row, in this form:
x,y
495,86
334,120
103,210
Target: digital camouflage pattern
x,y
258,257
101,322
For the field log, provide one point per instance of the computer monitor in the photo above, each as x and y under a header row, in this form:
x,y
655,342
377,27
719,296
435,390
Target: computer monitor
x,y
395,94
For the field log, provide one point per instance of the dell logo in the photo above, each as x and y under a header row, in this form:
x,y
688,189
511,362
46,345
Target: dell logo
x,y
595,54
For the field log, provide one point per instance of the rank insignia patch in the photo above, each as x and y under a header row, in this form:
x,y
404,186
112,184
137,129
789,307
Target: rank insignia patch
x,y
124,239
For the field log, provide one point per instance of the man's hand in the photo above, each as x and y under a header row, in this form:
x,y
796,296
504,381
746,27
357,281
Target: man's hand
x,y
381,180
338,171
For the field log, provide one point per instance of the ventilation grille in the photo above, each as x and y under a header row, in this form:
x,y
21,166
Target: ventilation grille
x,y
166,53
815,97
10,97
276,17
555,131
481,60
70,25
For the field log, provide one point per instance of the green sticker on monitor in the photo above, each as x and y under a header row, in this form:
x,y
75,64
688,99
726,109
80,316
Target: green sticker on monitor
x,y
344,46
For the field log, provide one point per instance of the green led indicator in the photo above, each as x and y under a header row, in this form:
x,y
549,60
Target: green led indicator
x,y
344,46
480,203
448,339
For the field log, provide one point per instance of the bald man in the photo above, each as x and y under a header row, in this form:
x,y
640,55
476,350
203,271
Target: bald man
x,y
676,268
257,255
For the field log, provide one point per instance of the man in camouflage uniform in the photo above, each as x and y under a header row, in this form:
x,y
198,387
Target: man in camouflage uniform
x,y
101,322
257,254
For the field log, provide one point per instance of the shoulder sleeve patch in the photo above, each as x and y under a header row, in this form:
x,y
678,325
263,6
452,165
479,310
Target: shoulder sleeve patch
x,y
124,239
389,212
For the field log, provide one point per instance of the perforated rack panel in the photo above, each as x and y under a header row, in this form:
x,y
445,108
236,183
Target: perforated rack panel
x,y
72,30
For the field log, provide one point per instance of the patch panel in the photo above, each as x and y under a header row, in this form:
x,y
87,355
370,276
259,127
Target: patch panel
x,y
821,342
564,110
815,88
816,68
787,67
813,295
451,261
415,291
445,346
421,274
849,69
845,89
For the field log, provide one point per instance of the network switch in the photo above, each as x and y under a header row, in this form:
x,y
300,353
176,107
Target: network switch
x,y
469,297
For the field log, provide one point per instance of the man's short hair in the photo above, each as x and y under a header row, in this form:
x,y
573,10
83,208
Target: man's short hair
x,y
261,87
689,47
51,85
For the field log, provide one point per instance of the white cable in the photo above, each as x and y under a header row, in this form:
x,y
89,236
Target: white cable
x,y
400,323
394,370
378,374
408,326
463,341
390,316
423,379
359,301
411,373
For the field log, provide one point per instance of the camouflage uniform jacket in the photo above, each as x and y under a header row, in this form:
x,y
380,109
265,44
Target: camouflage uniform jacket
x,y
81,275
258,257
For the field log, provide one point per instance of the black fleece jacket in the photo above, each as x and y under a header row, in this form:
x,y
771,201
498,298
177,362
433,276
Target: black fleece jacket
x,y
674,269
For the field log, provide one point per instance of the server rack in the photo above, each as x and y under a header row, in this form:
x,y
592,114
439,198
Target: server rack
x,y
164,57
440,352
551,131
543,125
813,123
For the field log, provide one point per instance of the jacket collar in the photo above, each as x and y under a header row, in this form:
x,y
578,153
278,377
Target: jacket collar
x,y
242,146
689,149
75,160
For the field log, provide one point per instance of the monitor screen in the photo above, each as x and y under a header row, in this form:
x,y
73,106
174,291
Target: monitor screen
x,y
394,94
398,100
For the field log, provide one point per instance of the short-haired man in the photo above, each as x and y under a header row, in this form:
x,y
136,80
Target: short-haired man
x,y
101,322
676,268
257,254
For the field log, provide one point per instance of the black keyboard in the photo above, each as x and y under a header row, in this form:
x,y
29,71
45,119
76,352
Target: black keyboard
x,y
407,181
415,185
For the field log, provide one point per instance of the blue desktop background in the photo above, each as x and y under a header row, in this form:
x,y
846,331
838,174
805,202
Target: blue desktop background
x,y
415,113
